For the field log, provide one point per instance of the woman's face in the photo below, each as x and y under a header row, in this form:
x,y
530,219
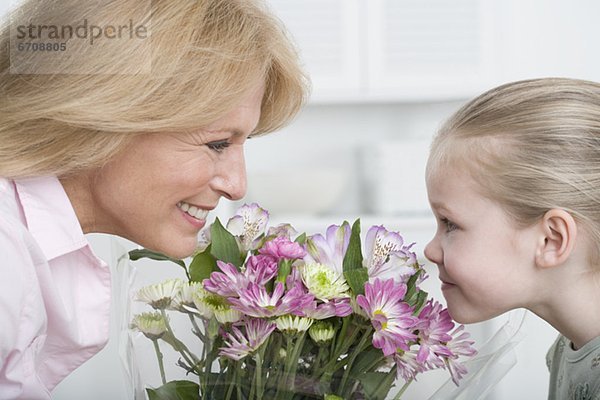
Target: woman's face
x,y
158,193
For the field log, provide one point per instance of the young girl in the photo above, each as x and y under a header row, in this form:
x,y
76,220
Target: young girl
x,y
514,182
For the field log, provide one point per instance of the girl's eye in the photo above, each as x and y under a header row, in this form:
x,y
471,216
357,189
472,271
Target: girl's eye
x,y
218,146
450,226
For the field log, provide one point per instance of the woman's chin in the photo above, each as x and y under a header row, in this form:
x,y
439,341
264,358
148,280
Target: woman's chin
x,y
176,248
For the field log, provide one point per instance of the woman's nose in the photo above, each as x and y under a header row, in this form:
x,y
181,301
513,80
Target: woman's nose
x,y
231,181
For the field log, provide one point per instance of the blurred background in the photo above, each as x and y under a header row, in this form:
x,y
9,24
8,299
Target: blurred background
x,y
385,74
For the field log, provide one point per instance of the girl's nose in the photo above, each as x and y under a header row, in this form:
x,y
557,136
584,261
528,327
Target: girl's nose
x,y
433,251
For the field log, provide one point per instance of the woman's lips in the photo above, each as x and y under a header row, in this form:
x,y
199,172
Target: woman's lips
x,y
197,223
195,215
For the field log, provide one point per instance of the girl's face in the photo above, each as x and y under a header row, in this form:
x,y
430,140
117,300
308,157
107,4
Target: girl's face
x,y
159,191
485,261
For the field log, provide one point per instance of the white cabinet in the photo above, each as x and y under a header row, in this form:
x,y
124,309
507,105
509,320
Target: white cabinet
x,y
382,50
328,34
435,50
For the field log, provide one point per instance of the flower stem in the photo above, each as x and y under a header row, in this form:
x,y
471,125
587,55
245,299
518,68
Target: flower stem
x,y
258,376
401,392
357,350
196,329
179,346
161,366
294,361
230,383
344,345
238,380
208,362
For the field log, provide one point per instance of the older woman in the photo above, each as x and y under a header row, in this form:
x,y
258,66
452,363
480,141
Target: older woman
x,y
100,144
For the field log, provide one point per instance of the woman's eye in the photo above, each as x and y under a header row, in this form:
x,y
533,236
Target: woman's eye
x,y
450,226
218,146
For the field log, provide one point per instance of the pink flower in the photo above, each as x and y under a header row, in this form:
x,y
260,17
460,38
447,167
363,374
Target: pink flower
x,y
239,345
386,256
434,327
333,308
260,269
257,302
331,249
390,316
407,365
282,247
459,345
227,283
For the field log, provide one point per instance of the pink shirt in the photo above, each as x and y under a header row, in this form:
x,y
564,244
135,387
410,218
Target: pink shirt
x,y
54,292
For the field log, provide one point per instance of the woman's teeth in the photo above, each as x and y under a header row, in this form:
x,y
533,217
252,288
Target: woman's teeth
x,y
194,211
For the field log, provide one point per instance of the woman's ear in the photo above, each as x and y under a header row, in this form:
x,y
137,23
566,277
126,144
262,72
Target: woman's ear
x,y
557,238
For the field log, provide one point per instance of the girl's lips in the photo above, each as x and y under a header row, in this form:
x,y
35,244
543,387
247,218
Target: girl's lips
x,y
447,285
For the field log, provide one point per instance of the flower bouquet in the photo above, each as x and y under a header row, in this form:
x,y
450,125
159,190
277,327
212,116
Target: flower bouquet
x,y
277,315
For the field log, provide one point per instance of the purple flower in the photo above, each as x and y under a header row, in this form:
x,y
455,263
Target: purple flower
x,y
227,283
248,225
257,302
407,365
284,230
387,257
329,250
333,308
238,345
390,316
459,345
282,247
260,269
434,332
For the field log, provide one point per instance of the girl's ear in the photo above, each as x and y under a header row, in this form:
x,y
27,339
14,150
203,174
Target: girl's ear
x,y
557,238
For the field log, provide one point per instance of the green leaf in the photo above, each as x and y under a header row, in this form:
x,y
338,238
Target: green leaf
x,y
284,269
301,239
420,301
175,390
411,287
369,360
353,258
202,265
224,246
357,278
377,384
145,253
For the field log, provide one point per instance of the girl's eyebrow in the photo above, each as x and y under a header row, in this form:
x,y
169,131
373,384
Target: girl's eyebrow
x,y
440,206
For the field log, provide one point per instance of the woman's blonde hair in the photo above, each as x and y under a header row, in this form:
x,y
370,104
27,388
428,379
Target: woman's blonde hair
x,y
205,55
531,146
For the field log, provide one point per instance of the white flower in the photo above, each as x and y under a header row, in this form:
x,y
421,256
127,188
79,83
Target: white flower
x,y
185,296
208,304
227,315
293,323
151,324
323,282
161,295
321,332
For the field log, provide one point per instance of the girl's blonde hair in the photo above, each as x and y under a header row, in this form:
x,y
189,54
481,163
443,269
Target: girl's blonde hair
x,y
205,55
531,146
